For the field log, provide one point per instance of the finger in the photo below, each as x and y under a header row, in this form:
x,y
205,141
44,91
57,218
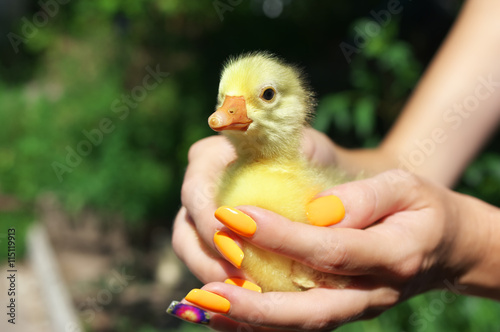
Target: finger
x,y
335,250
222,323
201,260
195,314
207,266
369,200
352,251
315,309
318,147
207,160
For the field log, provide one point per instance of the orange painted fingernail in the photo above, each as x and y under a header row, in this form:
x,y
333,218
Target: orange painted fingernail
x,y
228,248
236,220
325,211
243,283
208,300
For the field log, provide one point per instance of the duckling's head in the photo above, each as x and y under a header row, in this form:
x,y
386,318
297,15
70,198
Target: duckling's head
x,y
262,106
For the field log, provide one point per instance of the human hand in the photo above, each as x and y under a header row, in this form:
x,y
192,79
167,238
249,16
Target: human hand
x,y
402,235
208,158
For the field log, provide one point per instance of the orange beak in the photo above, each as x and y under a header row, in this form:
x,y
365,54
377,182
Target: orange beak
x,y
232,115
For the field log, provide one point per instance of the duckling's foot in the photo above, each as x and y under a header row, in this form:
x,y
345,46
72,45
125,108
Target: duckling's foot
x,y
306,278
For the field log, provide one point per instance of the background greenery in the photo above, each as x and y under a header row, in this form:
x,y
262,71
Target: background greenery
x,y
70,70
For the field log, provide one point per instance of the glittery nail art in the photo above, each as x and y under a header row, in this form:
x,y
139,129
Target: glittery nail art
x,y
188,313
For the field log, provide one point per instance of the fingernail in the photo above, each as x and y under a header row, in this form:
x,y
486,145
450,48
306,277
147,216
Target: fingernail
x,y
243,283
208,300
228,248
236,220
325,211
188,313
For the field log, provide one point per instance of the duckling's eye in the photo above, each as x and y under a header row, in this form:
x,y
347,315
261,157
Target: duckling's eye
x,y
268,94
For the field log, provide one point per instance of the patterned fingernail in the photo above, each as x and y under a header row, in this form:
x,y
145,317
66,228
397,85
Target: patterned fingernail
x,y
236,220
208,300
243,283
325,211
188,313
228,248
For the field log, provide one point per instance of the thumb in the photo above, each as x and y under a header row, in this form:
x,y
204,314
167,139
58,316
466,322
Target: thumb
x,y
367,201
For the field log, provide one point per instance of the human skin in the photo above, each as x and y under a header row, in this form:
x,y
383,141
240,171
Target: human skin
x,y
430,237
429,233
411,235
455,77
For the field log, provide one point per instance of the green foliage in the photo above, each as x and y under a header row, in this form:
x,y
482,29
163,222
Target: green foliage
x,y
434,312
20,221
189,327
74,73
381,76
482,178
134,167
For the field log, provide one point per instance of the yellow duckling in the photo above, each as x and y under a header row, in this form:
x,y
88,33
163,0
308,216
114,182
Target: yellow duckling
x,y
263,106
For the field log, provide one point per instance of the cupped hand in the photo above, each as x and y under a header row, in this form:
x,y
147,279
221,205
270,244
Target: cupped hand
x,y
207,160
401,235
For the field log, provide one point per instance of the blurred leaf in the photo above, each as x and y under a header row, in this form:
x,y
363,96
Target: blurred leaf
x,y
20,221
364,116
334,109
93,54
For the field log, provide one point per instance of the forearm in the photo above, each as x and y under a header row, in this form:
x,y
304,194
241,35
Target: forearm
x,y
368,162
454,108
453,111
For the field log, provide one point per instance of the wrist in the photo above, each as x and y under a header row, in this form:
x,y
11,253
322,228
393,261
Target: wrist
x,y
479,272
366,161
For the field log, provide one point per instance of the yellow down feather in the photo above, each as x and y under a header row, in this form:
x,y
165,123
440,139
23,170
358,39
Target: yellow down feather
x,y
270,171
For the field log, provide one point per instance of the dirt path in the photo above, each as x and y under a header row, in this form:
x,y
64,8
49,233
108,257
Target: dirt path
x,y
31,314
